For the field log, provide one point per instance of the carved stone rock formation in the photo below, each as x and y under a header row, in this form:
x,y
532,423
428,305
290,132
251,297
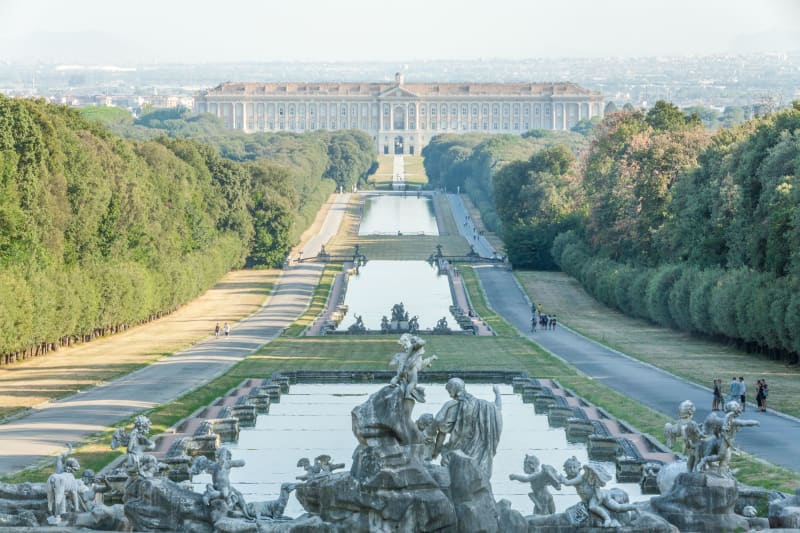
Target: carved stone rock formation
x,y
158,504
701,502
785,513
390,486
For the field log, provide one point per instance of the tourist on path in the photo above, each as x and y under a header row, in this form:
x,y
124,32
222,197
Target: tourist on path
x,y
216,330
734,390
760,398
227,329
763,390
742,393
717,401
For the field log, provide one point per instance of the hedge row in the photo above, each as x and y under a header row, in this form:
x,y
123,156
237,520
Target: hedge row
x,y
757,309
55,306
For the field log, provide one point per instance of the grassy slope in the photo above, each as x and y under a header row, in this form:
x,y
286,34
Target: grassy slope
x,y
415,172
391,246
69,370
695,359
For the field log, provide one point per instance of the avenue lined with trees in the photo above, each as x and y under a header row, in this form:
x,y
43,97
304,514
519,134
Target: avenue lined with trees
x,y
98,233
659,217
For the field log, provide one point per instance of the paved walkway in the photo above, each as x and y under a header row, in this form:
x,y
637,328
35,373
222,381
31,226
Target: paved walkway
x,y
398,173
466,227
463,301
335,297
44,432
776,441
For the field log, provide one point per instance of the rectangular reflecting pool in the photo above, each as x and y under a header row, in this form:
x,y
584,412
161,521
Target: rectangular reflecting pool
x,y
393,214
381,284
315,419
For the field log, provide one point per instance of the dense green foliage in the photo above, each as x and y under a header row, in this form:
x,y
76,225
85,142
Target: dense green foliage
x,y
536,200
346,157
696,233
98,232
712,119
469,162
662,218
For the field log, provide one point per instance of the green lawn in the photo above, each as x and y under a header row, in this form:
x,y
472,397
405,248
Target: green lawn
x,y
478,298
391,246
318,300
444,216
696,359
414,171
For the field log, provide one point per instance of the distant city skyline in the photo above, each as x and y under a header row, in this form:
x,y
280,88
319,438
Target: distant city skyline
x,y
146,32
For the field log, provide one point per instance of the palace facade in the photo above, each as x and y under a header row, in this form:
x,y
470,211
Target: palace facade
x,y
400,117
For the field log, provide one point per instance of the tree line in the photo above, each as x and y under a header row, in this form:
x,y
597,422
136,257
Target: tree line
x,y
469,163
695,231
99,232
663,219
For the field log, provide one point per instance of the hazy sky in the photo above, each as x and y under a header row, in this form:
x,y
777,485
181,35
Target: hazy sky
x,y
147,31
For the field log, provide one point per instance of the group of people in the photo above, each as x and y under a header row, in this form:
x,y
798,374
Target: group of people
x,y
738,392
538,317
225,329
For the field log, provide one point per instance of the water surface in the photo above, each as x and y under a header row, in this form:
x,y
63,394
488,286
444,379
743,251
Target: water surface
x,y
388,214
381,284
315,419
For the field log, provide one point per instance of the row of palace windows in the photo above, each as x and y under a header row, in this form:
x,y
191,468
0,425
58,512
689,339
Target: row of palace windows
x,y
362,110
259,123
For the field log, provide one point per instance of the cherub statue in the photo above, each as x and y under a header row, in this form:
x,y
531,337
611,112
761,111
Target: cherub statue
x,y
325,464
322,467
589,485
426,423
441,325
539,479
137,442
399,312
358,326
220,487
409,362
678,429
413,324
718,448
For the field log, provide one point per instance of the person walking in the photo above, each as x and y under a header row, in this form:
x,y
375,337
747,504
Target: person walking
x,y
764,395
227,329
216,330
734,390
716,402
742,393
759,394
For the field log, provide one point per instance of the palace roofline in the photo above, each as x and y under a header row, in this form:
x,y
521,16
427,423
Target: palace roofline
x,y
565,89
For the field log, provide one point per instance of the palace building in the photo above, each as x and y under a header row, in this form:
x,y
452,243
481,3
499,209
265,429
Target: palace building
x,y
400,117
